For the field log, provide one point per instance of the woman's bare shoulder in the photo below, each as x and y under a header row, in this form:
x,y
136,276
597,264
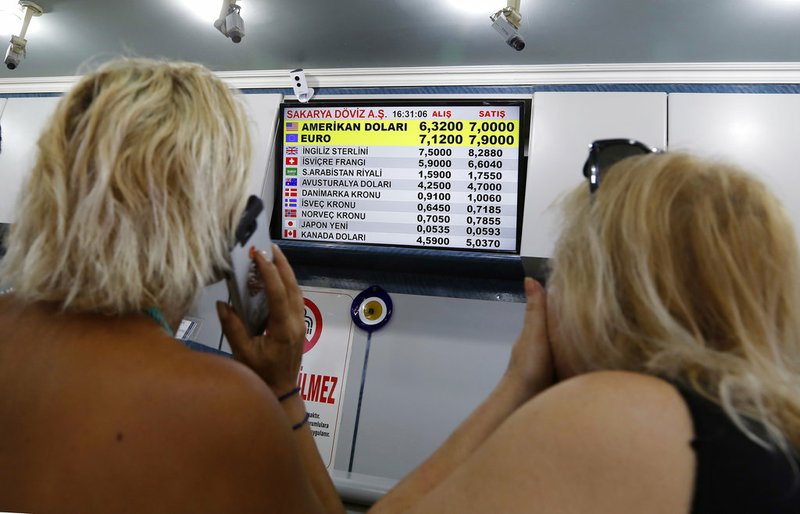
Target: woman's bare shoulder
x,y
153,425
615,390
224,421
219,418
608,414
212,375
213,395
605,442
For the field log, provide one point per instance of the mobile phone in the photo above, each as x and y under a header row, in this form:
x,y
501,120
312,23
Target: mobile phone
x,y
245,285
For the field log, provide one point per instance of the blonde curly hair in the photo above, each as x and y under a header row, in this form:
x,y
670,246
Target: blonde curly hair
x,y
686,269
139,180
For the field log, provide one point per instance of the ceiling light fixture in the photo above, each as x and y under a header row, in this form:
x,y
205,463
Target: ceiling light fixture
x,y
204,11
10,16
16,48
468,7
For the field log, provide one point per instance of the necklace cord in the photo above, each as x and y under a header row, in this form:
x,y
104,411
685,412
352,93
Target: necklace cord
x,y
158,316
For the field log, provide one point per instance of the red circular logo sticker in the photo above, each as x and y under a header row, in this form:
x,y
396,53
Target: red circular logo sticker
x,y
313,319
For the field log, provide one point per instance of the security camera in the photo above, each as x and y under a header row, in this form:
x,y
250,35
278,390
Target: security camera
x,y
234,25
15,52
230,21
508,30
300,85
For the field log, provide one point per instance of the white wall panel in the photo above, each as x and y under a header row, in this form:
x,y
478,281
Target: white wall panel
x,y
263,113
564,124
758,132
22,121
432,364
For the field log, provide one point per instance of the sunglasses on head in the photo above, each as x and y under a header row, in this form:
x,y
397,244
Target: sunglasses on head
x,y
604,153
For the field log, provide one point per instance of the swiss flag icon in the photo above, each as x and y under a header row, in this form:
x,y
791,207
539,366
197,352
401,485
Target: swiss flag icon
x,y
291,161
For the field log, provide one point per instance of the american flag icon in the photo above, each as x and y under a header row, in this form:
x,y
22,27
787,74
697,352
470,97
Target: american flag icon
x,y
291,150
291,126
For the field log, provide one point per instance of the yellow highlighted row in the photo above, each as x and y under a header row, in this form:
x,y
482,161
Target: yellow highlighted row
x,y
419,133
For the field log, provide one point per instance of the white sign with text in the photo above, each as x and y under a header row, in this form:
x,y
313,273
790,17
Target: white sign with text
x,y
329,335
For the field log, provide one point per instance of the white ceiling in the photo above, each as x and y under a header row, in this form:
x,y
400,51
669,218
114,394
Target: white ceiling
x,y
286,34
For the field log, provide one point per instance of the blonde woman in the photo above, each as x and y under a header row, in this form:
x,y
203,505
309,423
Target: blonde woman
x,y
128,213
672,322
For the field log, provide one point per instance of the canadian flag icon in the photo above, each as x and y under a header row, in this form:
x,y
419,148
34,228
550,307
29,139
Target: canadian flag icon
x,y
290,233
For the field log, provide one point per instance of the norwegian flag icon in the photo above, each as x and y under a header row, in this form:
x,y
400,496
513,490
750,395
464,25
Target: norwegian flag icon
x,y
290,213
291,161
290,233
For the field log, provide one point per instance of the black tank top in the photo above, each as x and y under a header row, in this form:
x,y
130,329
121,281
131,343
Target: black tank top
x,y
734,474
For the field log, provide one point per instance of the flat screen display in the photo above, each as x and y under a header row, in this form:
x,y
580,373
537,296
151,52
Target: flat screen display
x,y
444,175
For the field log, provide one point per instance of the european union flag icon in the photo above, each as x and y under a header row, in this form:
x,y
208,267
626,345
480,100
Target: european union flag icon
x,y
291,138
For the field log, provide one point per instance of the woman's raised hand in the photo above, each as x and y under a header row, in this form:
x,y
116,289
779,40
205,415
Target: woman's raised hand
x,y
274,356
531,362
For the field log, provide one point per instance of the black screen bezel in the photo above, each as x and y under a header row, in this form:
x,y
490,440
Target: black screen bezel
x,y
276,227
